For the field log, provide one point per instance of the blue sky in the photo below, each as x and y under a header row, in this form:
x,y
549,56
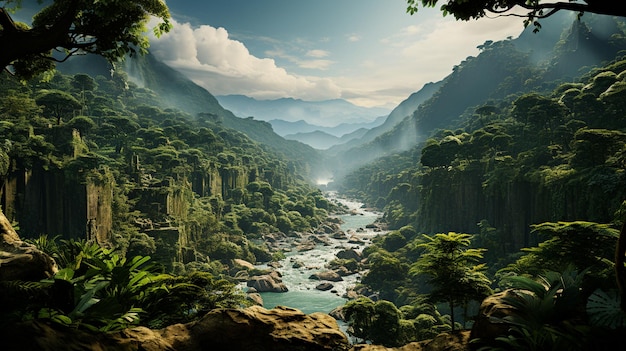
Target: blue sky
x,y
369,52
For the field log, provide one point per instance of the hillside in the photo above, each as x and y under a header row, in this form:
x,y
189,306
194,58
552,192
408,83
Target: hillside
x,y
495,154
502,70
178,92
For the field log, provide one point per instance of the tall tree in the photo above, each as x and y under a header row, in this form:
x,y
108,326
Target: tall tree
x,y
58,104
109,28
453,269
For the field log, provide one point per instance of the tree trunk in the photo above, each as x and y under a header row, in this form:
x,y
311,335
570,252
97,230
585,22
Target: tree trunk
x,y
620,272
452,313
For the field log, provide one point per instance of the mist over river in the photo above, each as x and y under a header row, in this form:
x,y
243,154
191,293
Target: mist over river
x,y
302,293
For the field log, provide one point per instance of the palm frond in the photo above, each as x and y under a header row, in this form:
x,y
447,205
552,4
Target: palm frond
x,y
604,310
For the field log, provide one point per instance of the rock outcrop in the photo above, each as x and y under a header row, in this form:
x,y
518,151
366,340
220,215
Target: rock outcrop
x,y
271,282
253,328
458,341
20,260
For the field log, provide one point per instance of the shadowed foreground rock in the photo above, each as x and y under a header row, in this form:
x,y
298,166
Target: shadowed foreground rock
x,y
251,329
458,341
20,260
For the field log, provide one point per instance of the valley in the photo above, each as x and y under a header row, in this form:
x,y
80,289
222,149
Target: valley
x,y
133,197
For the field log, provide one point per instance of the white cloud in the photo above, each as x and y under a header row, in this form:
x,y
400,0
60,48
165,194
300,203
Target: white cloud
x,y
225,66
419,54
317,64
317,53
390,69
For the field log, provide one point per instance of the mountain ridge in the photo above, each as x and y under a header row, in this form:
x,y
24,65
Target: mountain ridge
x,y
282,127
324,113
502,70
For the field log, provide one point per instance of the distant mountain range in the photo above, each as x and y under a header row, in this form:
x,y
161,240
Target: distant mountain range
x,y
323,137
322,140
283,128
326,113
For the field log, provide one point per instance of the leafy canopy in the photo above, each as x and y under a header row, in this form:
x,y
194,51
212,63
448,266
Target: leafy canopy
x,y
109,28
531,9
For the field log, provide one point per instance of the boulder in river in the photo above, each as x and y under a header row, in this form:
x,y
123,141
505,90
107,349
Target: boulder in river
x,y
266,283
339,235
255,298
327,275
349,254
319,239
325,286
297,264
306,246
355,240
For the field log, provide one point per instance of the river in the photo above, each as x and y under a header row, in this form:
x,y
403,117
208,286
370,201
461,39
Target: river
x,y
302,293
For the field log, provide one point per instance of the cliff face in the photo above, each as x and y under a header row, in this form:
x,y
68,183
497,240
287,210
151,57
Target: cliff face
x,y
56,202
457,201
77,204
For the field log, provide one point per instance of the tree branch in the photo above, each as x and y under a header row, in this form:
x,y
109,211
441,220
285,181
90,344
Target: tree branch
x,y
8,26
17,43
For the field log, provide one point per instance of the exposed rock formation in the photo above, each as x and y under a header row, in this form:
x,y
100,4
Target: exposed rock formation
x,y
349,254
442,342
324,286
253,328
326,275
267,283
42,199
20,260
490,323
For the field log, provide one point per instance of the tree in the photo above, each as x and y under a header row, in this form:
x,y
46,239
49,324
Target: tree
x,y
108,28
360,316
386,274
581,245
452,267
532,10
58,104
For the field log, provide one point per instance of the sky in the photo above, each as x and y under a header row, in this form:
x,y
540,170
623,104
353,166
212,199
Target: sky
x,y
369,52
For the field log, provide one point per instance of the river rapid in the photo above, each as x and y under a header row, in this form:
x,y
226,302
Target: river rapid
x,y
302,293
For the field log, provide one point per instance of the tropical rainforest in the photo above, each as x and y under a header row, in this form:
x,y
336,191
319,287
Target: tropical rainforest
x,y
506,178
92,161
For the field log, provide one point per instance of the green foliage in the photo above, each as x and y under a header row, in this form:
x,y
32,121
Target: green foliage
x,y
604,310
57,104
360,314
108,28
382,323
386,274
97,289
453,269
166,166
582,245
546,314
531,11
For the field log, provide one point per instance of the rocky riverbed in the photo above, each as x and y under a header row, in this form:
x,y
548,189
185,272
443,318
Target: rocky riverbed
x,y
321,266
